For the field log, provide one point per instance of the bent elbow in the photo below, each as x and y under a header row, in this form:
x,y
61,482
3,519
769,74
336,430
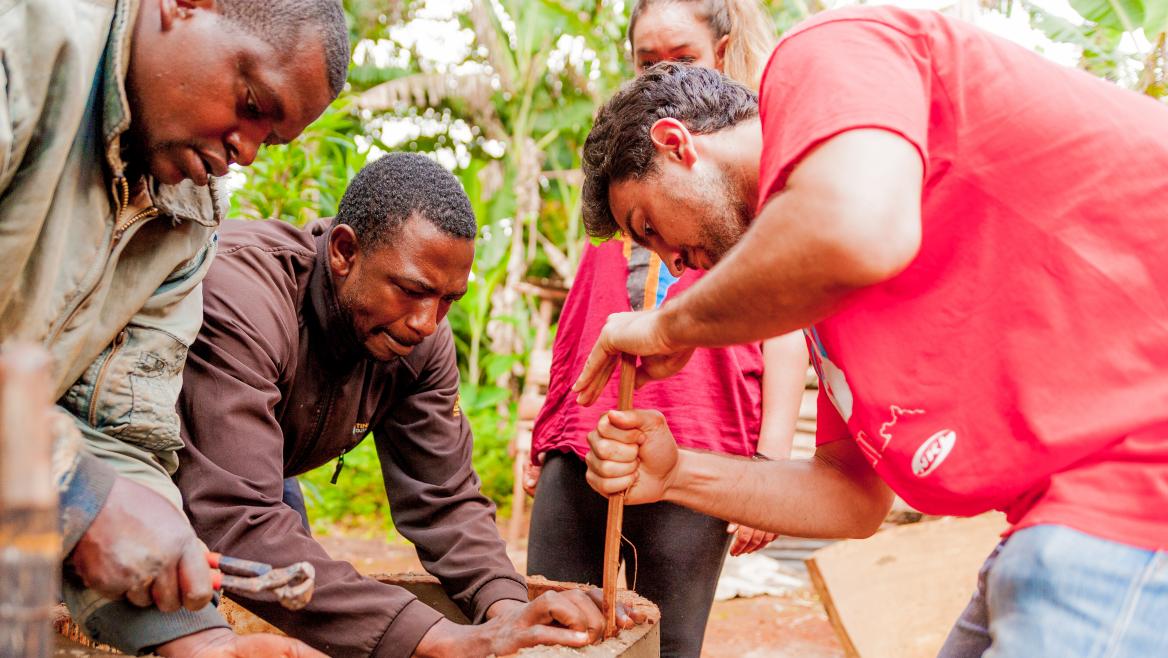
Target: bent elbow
x,y
870,516
865,528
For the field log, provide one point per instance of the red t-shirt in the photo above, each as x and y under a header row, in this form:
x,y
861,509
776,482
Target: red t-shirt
x,y
714,403
1019,362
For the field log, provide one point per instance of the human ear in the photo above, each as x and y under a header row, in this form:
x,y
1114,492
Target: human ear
x,y
198,4
720,53
673,139
171,11
342,250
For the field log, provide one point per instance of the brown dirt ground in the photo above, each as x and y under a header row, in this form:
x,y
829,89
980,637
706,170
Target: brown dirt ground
x,y
788,626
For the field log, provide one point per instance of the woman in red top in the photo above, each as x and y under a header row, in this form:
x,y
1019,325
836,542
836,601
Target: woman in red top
x,y
720,402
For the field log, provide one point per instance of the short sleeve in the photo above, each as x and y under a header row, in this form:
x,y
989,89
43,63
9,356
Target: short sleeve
x,y
836,76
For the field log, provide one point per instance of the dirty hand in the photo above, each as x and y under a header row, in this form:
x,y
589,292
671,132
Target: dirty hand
x,y
531,477
640,333
571,618
632,450
748,540
143,548
222,643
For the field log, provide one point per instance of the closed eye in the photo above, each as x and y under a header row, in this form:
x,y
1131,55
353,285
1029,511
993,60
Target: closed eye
x,y
252,106
412,294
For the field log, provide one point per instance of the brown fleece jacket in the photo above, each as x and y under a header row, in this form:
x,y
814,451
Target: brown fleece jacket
x,y
277,384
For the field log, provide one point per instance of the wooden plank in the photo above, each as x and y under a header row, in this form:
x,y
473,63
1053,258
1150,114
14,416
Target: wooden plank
x,y
897,594
30,561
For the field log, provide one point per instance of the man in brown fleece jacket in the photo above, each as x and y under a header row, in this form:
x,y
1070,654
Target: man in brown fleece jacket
x,y
311,339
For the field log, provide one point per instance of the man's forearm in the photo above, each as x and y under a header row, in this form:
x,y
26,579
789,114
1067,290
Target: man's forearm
x,y
803,498
763,288
783,375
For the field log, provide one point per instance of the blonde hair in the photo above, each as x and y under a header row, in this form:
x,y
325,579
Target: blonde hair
x,y
751,31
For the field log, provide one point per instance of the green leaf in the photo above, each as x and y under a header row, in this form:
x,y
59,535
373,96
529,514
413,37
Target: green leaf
x,y
497,364
1126,15
476,398
1155,18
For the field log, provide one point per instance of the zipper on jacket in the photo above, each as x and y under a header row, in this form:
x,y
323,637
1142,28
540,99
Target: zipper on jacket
x,y
120,189
117,345
145,213
318,431
340,465
122,225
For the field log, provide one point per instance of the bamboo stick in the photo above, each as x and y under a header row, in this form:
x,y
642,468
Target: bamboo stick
x,y
616,507
30,541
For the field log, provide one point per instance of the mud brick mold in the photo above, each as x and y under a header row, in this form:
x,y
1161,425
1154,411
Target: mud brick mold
x,y
641,641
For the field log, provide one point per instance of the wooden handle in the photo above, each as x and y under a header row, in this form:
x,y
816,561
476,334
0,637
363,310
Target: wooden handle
x,y
31,561
616,507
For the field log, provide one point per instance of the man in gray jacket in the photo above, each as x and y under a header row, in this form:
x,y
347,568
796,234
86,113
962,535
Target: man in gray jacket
x,y
115,116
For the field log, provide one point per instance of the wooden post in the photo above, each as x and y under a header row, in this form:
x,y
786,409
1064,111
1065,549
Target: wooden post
x,y
29,540
530,402
616,507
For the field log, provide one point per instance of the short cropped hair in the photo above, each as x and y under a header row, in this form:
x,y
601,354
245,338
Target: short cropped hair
x,y
283,23
395,187
619,147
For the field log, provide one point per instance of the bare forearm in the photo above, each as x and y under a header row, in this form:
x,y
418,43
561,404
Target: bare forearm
x,y
750,296
784,371
801,498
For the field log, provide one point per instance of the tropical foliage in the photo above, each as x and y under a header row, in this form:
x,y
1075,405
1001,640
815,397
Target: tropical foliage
x,y
1121,40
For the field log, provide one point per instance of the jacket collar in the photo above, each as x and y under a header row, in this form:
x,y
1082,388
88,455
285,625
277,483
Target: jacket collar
x,y
338,342
185,201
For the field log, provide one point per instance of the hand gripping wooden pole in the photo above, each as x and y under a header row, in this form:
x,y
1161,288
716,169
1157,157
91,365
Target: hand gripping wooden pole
x,y
616,507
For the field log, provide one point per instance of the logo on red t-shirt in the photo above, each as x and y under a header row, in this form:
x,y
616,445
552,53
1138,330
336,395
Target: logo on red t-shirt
x,y
932,452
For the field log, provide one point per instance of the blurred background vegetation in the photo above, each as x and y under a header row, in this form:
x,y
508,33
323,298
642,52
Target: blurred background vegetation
x,y
502,93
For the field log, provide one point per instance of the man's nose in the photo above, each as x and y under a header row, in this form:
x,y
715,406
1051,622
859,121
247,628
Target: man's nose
x,y
243,145
674,262
424,319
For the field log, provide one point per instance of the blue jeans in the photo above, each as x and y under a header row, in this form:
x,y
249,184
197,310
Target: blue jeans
x,y
294,498
1052,591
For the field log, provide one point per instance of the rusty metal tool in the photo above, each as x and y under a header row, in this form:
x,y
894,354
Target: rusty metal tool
x,y
616,507
292,585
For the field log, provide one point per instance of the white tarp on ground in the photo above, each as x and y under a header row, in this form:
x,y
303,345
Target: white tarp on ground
x,y
757,575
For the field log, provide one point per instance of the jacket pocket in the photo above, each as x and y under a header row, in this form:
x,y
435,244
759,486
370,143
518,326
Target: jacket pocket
x,y
130,391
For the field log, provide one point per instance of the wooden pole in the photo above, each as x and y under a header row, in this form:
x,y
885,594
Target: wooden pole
x,y
616,507
29,540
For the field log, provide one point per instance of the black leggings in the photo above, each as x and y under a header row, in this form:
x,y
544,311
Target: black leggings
x,y
680,551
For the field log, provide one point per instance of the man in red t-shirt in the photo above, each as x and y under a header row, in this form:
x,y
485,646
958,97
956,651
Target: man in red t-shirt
x,y
977,241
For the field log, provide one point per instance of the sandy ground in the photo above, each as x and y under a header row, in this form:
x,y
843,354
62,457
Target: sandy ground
x,y
788,626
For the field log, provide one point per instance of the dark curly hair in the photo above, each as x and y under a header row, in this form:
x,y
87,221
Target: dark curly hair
x,y
620,148
283,25
393,188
